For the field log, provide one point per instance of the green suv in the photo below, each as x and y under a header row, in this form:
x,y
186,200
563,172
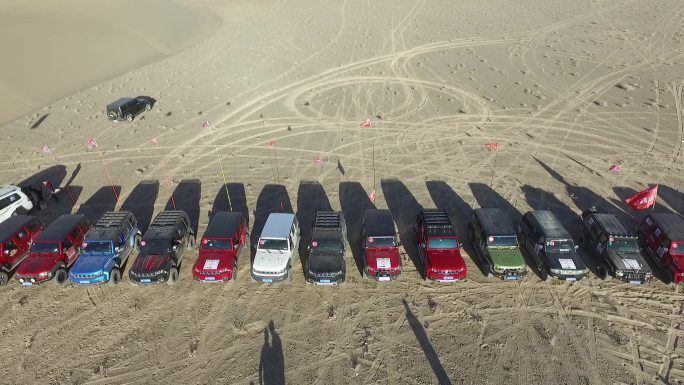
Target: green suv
x,y
496,244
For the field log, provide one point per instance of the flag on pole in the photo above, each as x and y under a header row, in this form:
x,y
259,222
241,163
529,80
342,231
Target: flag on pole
x,y
272,143
318,161
615,168
366,123
492,146
371,196
643,199
205,124
92,143
153,140
46,149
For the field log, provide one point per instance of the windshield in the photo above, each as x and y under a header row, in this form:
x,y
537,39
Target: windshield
x,y
502,241
98,247
217,244
46,247
326,245
442,243
625,245
380,242
677,248
560,245
156,245
273,244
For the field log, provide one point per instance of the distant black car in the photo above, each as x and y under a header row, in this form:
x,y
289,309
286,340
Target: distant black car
x,y
327,264
617,249
128,108
162,248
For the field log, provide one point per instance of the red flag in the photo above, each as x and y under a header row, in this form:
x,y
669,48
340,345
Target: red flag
x,y
615,168
272,143
366,123
205,124
153,140
643,199
492,146
318,161
92,143
46,149
371,196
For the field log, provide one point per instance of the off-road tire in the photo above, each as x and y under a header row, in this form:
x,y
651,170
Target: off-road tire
x,y
136,241
148,106
603,273
129,118
115,277
487,270
173,276
234,275
4,278
60,276
544,275
191,240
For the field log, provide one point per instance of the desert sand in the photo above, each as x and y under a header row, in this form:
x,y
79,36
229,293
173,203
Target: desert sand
x,y
566,89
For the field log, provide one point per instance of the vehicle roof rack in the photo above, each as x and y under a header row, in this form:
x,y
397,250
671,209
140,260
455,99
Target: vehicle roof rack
x,y
327,220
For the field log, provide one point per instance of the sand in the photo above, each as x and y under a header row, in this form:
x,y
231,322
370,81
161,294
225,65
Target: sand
x,y
566,89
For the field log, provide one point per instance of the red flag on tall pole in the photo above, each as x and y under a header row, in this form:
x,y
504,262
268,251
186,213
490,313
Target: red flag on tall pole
x,y
643,199
92,143
205,124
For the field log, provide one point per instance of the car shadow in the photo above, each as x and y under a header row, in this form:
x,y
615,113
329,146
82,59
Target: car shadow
x,y
55,174
354,202
273,198
488,197
311,198
237,202
61,203
459,212
186,197
141,201
405,209
674,198
99,203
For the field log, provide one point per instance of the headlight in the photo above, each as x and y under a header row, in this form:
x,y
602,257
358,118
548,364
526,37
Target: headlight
x,y
556,271
43,274
498,270
619,273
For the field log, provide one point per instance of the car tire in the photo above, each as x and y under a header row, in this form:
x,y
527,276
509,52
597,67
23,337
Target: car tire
x,y
136,241
148,106
115,277
191,241
544,274
173,276
60,276
234,275
129,118
603,273
4,278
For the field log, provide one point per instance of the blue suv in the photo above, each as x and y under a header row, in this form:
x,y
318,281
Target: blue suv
x,y
106,248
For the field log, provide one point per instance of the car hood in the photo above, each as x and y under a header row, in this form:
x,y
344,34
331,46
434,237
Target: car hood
x,y
565,261
326,262
270,261
148,263
214,260
628,261
506,258
90,263
446,259
392,253
38,263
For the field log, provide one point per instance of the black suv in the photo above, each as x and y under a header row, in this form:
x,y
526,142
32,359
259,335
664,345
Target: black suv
x,y
326,264
551,246
162,248
616,248
128,108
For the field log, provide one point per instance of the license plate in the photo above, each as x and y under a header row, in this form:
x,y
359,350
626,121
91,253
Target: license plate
x,y
84,282
209,279
145,280
25,283
448,278
325,281
267,280
634,282
383,279
570,279
511,278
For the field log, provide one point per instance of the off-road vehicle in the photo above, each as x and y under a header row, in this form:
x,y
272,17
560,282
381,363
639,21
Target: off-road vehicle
x,y
327,262
275,248
616,249
54,251
16,236
662,236
439,247
162,248
381,258
106,249
550,246
128,108
496,244
16,201
221,244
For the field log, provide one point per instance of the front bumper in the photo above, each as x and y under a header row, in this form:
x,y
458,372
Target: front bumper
x,y
30,280
270,278
569,275
88,279
635,278
325,279
149,279
221,277
383,275
510,274
443,276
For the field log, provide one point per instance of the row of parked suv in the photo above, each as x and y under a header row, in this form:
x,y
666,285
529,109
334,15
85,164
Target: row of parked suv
x,y
74,249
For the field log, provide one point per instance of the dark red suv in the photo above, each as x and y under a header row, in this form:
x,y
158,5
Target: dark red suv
x,y
222,243
439,247
54,251
662,236
17,233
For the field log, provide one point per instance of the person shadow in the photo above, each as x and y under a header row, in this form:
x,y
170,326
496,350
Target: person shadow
x,y
272,361
426,346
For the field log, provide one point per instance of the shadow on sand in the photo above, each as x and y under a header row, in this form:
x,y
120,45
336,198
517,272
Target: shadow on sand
x,y
99,203
311,198
141,202
405,209
424,341
354,202
186,197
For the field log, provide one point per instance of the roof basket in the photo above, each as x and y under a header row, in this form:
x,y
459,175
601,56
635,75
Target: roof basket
x,y
111,219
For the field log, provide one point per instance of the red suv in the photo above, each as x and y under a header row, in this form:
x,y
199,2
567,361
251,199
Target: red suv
x,y
54,250
222,243
662,236
382,261
17,233
438,247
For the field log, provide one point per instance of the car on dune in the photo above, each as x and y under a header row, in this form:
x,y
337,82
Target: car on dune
x,y
327,261
129,108
17,234
221,245
275,248
439,247
662,236
381,258
496,244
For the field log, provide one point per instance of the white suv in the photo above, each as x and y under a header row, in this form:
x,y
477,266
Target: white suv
x,y
13,201
275,249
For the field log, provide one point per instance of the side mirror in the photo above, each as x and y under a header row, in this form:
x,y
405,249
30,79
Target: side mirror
x,y
236,247
576,247
422,245
117,249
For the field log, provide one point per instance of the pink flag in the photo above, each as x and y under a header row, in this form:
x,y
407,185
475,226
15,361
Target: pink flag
x,y
492,146
318,161
92,143
366,123
46,149
371,196
205,124
272,143
615,168
153,140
